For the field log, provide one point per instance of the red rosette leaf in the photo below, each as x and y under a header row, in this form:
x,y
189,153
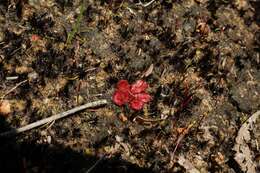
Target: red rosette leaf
x,y
143,97
134,94
136,104
139,86
123,85
120,98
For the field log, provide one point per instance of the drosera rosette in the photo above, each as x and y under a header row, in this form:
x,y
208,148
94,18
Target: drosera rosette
x,y
134,95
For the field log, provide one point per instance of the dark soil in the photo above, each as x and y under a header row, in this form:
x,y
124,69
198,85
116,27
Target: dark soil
x,y
205,83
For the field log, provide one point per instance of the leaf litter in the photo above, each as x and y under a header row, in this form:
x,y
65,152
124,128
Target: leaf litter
x,y
244,156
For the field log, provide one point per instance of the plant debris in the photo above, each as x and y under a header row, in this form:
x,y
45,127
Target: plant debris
x,y
180,80
244,156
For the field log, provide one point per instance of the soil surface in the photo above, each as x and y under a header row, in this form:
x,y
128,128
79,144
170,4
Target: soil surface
x,y
200,58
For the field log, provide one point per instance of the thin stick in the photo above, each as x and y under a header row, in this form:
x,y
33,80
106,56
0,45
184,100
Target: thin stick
x,y
93,166
182,135
12,89
52,118
145,5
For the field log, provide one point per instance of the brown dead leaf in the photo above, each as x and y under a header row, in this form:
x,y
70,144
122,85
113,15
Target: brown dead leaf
x,y
244,156
187,165
122,117
148,71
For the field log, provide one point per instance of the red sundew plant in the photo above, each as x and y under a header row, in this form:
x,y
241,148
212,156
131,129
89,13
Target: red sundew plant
x,y
135,95
35,38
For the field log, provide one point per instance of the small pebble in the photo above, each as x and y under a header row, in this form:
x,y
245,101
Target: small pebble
x,y
5,107
33,76
48,139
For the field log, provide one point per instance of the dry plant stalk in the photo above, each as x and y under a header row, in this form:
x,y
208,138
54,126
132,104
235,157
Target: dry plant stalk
x,y
53,118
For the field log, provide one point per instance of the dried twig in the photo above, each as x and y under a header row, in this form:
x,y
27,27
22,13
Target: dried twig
x,y
185,132
12,89
12,77
181,136
145,5
147,119
131,10
54,117
93,166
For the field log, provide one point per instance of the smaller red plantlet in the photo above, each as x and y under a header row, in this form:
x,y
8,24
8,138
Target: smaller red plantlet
x,y
35,38
134,94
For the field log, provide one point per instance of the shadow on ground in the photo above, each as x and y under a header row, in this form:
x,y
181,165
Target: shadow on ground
x,y
29,157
